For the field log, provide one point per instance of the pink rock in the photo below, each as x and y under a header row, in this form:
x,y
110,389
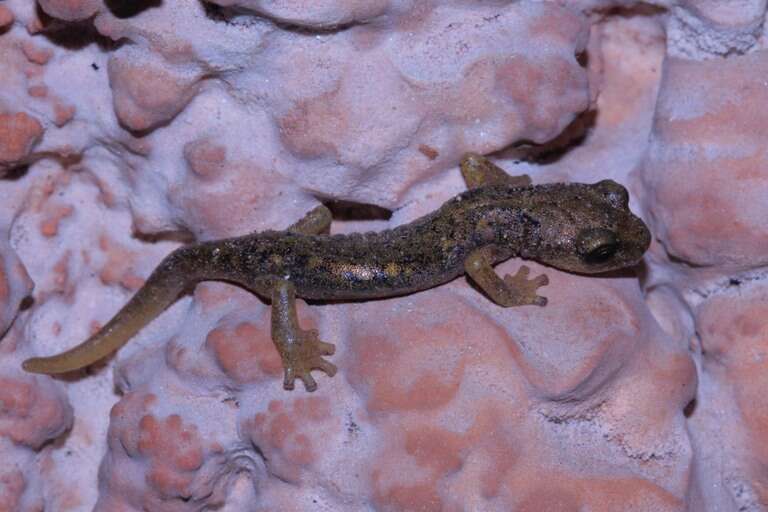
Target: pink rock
x,y
244,352
36,54
13,484
286,432
205,158
147,95
119,266
725,13
702,29
210,121
704,166
625,57
38,91
6,17
475,96
428,373
63,113
54,214
237,197
732,323
159,462
34,410
70,10
19,133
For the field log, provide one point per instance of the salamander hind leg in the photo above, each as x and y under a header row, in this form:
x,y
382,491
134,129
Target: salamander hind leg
x,y
513,290
478,171
300,350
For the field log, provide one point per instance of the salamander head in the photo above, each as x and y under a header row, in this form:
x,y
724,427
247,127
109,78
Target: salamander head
x,y
586,228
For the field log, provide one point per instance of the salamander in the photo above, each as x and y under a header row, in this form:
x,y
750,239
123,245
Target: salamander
x,y
576,227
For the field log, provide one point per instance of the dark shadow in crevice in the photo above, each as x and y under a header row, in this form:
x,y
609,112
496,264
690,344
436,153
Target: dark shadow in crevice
x,y
315,31
58,443
551,151
26,303
15,173
353,211
180,235
582,58
234,15
643,273
74,35
128,8
630,11
140,134
690,408
677,260
230,15
20,171
258,451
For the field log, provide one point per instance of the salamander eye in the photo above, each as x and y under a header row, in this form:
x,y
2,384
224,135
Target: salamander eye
x,y
601,254
597,245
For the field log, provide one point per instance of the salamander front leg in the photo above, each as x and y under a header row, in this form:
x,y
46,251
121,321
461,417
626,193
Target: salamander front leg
x,y
300,350
478,171
513,290
316,222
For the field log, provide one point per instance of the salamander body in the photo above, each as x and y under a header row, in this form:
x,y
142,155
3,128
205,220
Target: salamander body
x,y
586,228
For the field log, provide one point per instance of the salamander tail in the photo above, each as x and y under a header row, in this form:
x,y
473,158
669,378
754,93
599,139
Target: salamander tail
x,y
162,288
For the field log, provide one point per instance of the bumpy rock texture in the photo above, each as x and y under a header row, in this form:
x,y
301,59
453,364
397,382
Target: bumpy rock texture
x,y
129,127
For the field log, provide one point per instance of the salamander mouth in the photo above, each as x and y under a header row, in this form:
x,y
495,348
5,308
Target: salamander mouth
x,y
638,240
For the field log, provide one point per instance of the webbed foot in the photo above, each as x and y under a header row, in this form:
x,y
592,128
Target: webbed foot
x,y
513,290
525,289
478,171
300,350
303,354
316,221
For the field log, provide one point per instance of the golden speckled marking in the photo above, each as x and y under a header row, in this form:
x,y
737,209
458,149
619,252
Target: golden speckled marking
x,y
392,269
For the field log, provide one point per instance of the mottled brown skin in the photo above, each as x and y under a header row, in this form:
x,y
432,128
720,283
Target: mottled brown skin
x,y
575,227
